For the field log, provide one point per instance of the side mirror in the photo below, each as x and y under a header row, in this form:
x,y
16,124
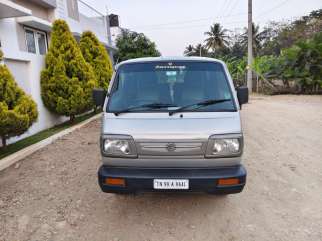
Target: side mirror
x,y
242,95
99,96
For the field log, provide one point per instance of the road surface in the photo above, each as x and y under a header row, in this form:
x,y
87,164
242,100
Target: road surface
x,y
53,194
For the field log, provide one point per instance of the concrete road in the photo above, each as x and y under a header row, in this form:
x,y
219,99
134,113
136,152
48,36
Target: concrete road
x,y
53,194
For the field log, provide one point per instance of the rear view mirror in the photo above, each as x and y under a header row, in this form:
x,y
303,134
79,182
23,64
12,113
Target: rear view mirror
x,y
242,95
99,96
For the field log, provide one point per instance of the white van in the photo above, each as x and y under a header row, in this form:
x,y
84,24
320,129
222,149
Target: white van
x,y
171,124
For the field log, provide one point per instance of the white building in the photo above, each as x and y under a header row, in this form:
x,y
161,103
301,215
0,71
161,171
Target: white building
x,y
25,27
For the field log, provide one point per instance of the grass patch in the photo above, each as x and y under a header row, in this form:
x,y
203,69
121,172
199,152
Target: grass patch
x,y
28,141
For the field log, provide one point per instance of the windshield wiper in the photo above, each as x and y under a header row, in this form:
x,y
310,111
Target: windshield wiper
x,y
149,106
199,105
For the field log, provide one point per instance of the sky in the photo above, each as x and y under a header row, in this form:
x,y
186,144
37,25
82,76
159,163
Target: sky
x,y
174,24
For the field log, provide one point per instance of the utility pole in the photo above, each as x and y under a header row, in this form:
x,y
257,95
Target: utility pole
x,y
250,47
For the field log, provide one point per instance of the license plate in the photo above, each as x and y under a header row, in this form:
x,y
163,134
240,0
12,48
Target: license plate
x,y
174,184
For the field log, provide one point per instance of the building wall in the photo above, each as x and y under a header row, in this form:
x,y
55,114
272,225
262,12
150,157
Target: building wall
x,y
26,67
21,37
9,40
27,75
20,71
62,13
96,25
37,10
72,9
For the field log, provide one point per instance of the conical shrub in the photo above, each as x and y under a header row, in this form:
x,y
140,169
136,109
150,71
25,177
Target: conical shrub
x,y
67,80
96,55
17,110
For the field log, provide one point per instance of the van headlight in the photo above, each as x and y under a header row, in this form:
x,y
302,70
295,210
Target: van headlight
x,y
118,146
225,145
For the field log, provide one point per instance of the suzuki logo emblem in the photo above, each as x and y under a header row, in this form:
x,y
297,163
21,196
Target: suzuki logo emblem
x,y
171,147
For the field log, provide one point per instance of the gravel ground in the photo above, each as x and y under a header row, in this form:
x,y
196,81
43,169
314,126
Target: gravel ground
x,y
53,194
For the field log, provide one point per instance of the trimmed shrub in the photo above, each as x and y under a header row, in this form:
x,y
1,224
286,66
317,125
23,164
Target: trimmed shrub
x,y
96,55
67,80
17,110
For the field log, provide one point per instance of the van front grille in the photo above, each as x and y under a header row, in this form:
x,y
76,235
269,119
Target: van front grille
x,y
169,148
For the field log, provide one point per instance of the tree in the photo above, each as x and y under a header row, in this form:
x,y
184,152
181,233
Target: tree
x,y
299,64
236,50
237,69
270,34
17,110
134,45
96,55
257,39
67,80
308,67
282,35
189,50
200,50
217,37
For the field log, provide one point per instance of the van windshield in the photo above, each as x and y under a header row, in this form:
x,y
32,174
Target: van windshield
x,y
164,86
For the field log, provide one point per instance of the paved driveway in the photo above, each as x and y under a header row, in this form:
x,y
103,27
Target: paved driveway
x,y
54,195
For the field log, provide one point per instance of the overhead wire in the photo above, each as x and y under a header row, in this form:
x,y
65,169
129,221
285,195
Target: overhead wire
x,y
188,21
272,9
233,7
220,10
190,26
176,25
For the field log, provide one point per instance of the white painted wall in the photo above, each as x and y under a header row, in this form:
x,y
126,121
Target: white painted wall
x,y
26,67
96,25
20,71
62,13
27,75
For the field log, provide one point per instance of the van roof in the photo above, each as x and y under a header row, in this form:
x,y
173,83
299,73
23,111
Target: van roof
x,y
168,59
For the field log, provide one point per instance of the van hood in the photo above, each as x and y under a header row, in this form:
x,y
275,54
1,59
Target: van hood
x,y
161,126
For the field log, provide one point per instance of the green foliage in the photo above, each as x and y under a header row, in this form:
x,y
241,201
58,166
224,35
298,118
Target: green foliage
x,y
96,55
306,63
198,50
237,69
257,39
17,110
217,37
285,35
288,51
263,65
134,45
67,80
1,55
301,63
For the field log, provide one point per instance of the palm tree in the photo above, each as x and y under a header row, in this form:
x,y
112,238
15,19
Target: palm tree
x,y
189,50
257,39
217,37
200,50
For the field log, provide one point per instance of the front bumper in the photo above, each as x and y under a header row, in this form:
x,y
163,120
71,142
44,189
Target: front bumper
x,y
200,180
